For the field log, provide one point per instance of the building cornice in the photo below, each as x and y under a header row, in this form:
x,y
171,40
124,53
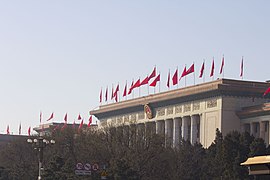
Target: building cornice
x,y
254,111
209,89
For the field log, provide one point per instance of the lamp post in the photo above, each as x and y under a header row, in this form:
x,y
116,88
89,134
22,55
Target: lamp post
x,y
39,144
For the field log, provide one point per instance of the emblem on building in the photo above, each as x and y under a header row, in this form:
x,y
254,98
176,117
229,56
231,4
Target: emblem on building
x,y
148,111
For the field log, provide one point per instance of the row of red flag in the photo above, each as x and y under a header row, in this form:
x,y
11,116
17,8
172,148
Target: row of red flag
x,y
20,130
58,126
66,118
133,86
175,79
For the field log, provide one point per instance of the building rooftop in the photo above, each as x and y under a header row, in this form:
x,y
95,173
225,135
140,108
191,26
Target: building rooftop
x,y
189,93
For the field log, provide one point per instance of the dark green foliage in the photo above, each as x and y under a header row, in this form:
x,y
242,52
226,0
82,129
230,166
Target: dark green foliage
x,y
130,153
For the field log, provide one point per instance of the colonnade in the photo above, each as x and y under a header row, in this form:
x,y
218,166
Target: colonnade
x,y
259,129
175,129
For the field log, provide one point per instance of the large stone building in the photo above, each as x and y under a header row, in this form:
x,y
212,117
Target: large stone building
x,y
195,112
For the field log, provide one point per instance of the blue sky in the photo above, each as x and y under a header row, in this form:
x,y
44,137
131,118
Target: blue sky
x,y
56,55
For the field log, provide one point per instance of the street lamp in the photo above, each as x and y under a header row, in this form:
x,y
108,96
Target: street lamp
x,y
39,144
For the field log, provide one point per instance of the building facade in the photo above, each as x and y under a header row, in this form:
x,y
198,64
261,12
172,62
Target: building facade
x,y
192,113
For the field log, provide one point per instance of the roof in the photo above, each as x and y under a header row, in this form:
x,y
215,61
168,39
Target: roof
x,y
254,111
257,160
195,92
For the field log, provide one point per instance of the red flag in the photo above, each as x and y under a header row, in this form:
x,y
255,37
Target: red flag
x,y
65,118
168,80
100,96
154,83
90,121
8,129
64,127
212,68
112,93
145,81
184,73
50,117
175,77
40,115
242,67
125,91
20,129
221,67
29,130
153,74
106,94
116,97
79,117
202,70
81,125
190,70
266,92
131,88
116,90
137,84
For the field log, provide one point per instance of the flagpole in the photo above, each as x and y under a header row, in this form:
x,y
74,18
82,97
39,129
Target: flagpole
x,y
194,72
140,87
148,86
132,90
107,94
213,66
177,78
118,93
112,94
101,96
203,72
242,67
223,60
169,79
159,82
126,90
185,76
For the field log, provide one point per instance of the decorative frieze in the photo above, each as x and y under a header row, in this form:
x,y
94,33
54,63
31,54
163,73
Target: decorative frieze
x,y
119,120
161,112
187,107
113,122
133,117
126,118
196,106
212,103
141,116
169,110
103,123
178,109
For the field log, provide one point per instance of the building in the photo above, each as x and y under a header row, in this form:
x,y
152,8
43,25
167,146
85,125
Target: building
x,y
195,112
7,138
47,129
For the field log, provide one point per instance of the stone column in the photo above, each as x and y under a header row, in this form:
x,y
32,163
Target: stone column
x,y
262,130
194,129
185,120
252,129
150,128
168,132
268,132
160,127
176,131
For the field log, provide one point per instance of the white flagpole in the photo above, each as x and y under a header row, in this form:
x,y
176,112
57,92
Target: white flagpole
x,y
159,81
194,72
126,90
140,87
178,81
223,60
